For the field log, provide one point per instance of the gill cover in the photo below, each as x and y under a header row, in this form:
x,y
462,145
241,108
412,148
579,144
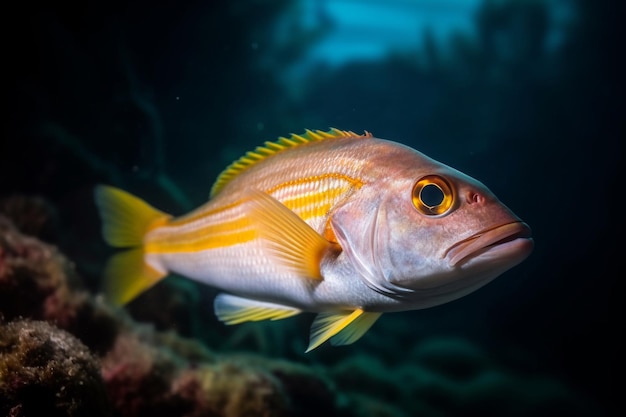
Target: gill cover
x,y
362,233
388,236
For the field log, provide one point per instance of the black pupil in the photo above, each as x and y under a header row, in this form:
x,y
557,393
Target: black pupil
x,y
431,195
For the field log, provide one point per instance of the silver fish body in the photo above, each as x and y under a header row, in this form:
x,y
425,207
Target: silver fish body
x,y
344,225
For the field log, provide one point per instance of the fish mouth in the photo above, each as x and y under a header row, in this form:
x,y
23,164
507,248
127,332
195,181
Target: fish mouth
x,y
488,240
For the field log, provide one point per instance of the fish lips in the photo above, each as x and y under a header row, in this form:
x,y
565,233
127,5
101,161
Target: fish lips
x,y
510,242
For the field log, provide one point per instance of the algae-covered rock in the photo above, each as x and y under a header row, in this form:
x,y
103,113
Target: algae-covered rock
x,y
45,371
232,389
36,280
309,390
156,374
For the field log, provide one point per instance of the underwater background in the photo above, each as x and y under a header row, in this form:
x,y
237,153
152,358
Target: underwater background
x,y
158,97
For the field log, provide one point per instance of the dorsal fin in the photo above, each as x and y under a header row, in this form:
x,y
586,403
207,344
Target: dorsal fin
x,y
271,148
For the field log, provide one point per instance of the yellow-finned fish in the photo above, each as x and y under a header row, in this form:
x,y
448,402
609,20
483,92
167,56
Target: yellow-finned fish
x,y
348,226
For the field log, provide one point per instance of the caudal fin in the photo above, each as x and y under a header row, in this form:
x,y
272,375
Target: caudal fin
x,y
125,221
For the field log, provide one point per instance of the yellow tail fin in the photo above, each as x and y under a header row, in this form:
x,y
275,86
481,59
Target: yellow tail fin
x,y
125,221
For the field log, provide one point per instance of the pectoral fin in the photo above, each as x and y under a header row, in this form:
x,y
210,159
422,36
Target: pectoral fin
x,y
351,324
294,244
231,309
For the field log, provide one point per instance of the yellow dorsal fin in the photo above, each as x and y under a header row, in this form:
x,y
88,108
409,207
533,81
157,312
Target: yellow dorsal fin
x,y
271,148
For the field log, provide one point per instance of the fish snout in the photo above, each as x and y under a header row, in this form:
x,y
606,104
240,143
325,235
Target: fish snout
x,y
510,240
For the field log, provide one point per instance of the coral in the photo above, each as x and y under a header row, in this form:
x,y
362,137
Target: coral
x,y
233,389
47,371
151,373
36,281
138,378
309,390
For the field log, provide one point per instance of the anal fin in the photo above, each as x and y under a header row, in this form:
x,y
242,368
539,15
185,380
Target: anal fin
x,y
343,328
231,309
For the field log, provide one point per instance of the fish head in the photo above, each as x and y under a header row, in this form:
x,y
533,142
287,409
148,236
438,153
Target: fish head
x,y
428,232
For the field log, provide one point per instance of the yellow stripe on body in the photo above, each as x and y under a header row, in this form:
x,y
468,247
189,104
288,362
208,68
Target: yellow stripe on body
x,y
179,236
311,198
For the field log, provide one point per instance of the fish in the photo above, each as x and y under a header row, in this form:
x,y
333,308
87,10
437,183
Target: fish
x,y
343,225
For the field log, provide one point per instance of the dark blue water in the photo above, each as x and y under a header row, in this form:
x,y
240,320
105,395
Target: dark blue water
x,y
525,96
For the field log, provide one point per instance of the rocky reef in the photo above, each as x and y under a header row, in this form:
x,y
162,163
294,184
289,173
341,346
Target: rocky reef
x,y
47,371
64,352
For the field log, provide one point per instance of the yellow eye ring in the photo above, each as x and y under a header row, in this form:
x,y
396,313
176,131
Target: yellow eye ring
x,y
433,195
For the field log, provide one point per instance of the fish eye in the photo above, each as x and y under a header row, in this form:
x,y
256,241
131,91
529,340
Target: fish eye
x,y
432,195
